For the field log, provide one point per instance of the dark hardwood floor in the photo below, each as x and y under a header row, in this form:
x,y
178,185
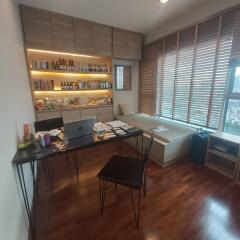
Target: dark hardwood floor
x,y
184,201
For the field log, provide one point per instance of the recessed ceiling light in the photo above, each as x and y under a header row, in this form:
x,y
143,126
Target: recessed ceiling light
x,y
163,1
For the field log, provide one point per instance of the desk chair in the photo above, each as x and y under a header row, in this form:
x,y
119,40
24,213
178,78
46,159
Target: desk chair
x,y
49,124
128,172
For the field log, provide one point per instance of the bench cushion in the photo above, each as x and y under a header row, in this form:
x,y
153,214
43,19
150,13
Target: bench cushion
x,y
146,123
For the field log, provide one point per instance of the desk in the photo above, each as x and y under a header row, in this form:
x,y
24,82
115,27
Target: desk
x,y
36,153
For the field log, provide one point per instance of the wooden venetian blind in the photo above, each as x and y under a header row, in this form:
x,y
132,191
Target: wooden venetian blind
x,y
147,80
192,69
236,38
203,71
184,72
219,81
168,76
127,76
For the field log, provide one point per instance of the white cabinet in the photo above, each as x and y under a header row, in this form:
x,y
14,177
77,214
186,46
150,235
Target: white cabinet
x,y
48,115
71,115
102,114
89,112
105,114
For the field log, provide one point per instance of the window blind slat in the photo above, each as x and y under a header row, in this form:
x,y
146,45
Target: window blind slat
x,y
220,78
236,38
147,79
168,76
203,71
183,74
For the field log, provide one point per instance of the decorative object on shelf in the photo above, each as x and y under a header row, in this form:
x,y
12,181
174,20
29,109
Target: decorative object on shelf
x,y
43,85
48,103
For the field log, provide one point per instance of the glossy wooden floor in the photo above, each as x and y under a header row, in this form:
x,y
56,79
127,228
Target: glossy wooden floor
x,y
184,201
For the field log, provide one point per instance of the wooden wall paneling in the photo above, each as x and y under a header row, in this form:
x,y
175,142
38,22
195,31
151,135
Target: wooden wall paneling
x,y
127,44
37,28
62,32
92,38
102,39
120,45
83,31
105,114
134,45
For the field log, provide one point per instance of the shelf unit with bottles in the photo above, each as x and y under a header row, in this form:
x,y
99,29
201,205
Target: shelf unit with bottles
x,y
57,76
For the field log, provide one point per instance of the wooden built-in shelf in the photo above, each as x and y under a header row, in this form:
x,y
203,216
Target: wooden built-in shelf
x,y
77,90
67,72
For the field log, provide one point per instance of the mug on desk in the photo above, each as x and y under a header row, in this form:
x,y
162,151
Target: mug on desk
x,y
45,139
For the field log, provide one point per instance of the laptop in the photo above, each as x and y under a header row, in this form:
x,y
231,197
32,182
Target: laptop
x,y
73,130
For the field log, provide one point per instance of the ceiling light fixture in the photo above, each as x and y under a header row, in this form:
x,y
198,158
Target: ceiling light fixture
x,y
163,1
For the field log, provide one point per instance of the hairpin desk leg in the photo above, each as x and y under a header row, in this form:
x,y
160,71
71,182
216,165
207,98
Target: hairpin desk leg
x,y
25,197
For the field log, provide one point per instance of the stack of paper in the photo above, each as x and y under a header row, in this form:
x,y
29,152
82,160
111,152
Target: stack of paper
x,y
117,124
101,127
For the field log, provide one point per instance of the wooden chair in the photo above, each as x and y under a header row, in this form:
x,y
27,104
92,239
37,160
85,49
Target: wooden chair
x,y
129,172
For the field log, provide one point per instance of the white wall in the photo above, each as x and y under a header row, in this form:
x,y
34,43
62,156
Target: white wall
x,y
201,11
129,97
15,109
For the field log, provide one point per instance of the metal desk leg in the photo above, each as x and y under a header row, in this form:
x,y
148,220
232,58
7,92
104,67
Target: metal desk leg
x,y
35,186
49,172
25,197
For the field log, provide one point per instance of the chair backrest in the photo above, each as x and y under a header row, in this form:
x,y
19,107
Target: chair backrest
x,y
148,150
49,124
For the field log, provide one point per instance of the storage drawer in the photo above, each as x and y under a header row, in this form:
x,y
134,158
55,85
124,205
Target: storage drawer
x,y
48,115
88,113
105,114
71,115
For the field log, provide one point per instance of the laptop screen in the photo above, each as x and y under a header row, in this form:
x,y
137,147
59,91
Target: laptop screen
x,y
78,129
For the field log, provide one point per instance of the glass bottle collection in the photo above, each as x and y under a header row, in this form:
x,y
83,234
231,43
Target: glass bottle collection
x,y
85,85
43,85
70,65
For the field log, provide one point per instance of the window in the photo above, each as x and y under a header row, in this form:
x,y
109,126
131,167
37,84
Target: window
x,y
123,77
192,73
232,109
119,77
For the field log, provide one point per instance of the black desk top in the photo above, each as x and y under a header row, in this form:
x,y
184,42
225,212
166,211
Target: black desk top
x,y
36,152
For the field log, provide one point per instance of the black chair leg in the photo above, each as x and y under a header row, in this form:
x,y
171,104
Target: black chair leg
x,y
136,211
144,183
102,187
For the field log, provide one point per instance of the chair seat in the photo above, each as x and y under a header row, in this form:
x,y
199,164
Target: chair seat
x,y
123,170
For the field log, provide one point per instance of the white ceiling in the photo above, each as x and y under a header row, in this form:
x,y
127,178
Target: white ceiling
x,y
137,15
